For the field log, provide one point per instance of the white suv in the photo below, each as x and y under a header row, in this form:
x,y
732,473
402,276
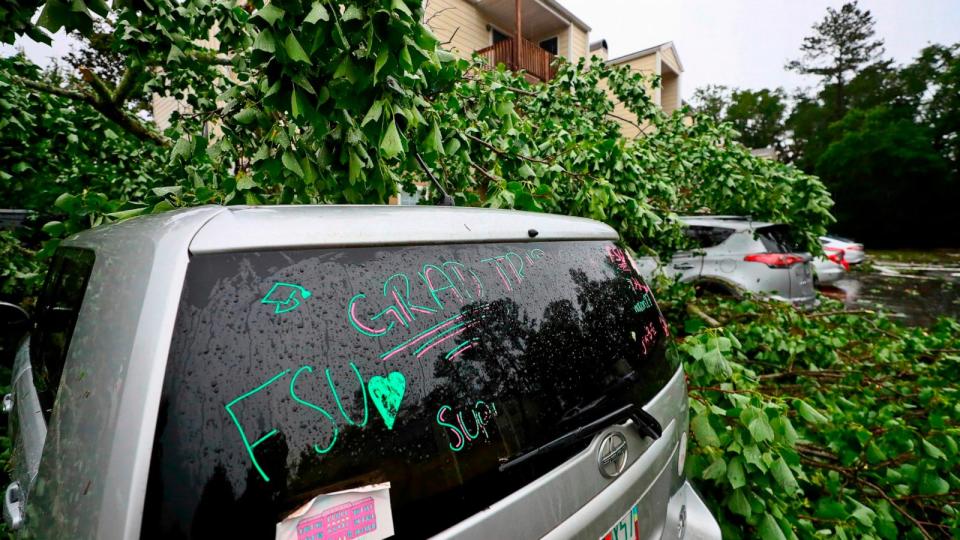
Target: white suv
x,y
736,254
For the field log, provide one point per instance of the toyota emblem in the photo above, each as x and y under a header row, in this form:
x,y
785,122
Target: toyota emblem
x,y
612,455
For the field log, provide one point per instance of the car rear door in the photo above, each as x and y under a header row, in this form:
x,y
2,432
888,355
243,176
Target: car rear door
x,y
38,367
454,373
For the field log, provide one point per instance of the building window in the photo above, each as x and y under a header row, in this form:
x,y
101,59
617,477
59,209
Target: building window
x,y
498,36
549,45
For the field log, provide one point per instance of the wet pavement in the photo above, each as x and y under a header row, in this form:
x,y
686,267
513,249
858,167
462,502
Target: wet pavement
x,y
916,290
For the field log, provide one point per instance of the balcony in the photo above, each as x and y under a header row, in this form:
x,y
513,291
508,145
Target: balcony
x,y
537,62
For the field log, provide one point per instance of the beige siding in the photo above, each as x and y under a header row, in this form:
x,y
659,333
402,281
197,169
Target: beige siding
x,y
670,59
458,22
647,65
163,107
670,92
563,43
580,41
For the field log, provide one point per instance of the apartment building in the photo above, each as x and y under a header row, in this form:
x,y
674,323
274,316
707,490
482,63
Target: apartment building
x,y
547,30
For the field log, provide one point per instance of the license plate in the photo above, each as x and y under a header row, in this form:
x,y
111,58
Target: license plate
x,y
627,528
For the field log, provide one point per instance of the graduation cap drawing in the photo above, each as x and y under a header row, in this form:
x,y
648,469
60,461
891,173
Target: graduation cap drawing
x,y
284,296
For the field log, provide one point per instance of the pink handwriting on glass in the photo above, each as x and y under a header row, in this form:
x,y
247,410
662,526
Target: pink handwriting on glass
x,y
648,338
459,434
619,258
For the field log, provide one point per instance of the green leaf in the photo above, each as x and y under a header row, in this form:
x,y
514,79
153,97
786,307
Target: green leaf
x,y
433,142
784,428
245,181
294,50
317,13
289,160
296,104
246,116
875,454
769,529
373,113
739,504
269,13
182,148
525,171
390,144
53,228
828,508
703,431
99,7
932,450
167,190
931,484
809,413
174,55
381,61
784,476
759,428
716,471
399,5
162,206
352,12
356,167
67,202
735,473
751,454
861,513
265,41
127,214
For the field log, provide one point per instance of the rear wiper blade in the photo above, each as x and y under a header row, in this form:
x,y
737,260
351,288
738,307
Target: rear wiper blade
x,y
646,424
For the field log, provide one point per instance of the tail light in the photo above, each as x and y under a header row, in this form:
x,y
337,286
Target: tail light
x,y
775,260
836,255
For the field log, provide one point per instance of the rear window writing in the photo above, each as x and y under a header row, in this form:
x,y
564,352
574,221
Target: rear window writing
x,y
296,373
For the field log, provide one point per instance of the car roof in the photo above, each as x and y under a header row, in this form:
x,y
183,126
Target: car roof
x,y
213,229
725,222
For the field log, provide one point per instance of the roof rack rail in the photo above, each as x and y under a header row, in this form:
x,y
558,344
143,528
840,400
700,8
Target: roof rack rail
x,y
708,216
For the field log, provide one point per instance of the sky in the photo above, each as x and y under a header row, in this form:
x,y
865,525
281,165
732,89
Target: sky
x,y
738,43
745,43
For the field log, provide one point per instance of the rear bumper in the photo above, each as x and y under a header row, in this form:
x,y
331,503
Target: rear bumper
x,y
689,518
829,275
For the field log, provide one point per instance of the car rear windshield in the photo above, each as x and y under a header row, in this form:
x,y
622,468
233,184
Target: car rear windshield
x,y
293,374
777,239
706,237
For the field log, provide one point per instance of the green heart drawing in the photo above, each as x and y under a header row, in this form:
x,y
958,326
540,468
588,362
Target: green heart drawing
x,y
387,394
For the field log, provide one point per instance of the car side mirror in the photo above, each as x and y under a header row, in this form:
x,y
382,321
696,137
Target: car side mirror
x,y
14,324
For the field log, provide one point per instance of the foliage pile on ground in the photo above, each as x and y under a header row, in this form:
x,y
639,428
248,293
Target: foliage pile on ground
x,y
822,424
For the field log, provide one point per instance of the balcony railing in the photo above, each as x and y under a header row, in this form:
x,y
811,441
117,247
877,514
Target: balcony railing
x,y
533,59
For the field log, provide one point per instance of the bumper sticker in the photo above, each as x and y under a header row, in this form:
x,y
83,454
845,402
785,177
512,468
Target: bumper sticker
x,y
354,513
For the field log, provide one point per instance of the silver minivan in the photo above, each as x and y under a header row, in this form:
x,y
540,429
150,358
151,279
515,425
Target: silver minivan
x,y
342,372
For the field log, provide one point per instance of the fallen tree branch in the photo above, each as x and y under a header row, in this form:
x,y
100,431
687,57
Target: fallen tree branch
x,y
841,312
699,313
821,374
100,88
126,85
896,506
505,153
107,109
